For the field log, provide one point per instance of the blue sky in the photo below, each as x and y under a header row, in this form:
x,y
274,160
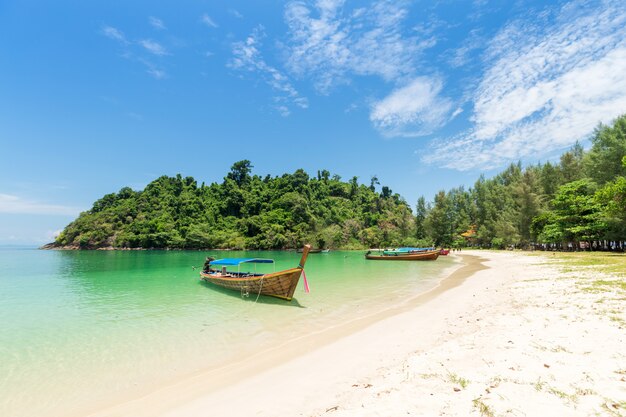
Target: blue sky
x,y
426,95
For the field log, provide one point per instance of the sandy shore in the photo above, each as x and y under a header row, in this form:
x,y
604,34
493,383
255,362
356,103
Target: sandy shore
x,y
506,334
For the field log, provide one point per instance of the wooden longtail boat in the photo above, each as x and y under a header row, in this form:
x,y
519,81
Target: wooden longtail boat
x,y
430,255
405,251
310,251
281,284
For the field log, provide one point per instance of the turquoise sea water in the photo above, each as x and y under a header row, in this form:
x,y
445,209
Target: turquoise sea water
x,y
82,330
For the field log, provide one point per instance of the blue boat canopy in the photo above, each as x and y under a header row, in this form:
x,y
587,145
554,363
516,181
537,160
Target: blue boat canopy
x,y
238,261
413,249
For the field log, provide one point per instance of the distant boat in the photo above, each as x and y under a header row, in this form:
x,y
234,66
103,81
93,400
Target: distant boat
x,y
444,252
405,250
422,255
325,250
281,284
310,251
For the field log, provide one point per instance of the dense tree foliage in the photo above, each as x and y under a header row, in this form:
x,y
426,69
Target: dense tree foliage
x,y
580,198
246,211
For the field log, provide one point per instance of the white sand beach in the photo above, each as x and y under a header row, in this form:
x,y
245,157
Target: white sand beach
x,y
517,335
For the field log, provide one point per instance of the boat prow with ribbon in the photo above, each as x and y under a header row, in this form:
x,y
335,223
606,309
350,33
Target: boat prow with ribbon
x,y
281,284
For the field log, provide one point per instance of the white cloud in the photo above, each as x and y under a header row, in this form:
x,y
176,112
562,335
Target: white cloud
x,y
235,13
462,56
247,56
157,73
153,70
331,42
16,205
547,84
136,50
153,47
206,19
156,23
413,110
114,33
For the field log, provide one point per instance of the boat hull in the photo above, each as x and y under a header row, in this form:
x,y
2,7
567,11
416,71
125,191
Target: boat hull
x,y
419,256
280,284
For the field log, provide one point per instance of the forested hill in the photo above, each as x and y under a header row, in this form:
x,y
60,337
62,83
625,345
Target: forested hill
x,y
245,211
580,198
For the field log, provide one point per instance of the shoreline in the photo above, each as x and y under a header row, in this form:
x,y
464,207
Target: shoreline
x,y
503,334
53,246
209,382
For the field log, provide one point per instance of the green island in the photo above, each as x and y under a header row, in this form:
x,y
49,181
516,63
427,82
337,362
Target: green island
x,y
581,198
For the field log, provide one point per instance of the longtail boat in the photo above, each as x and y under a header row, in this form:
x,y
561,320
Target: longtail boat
x,y
425,255
405,250
444,252
310,251
281,284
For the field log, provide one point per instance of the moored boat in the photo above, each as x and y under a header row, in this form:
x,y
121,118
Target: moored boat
x,y
281,284
406,250
444,252
310,250
425,255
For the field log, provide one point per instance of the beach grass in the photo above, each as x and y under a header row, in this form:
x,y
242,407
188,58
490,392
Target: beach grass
x,y
613,407
455,379
606,262
539,384
585,268
482,408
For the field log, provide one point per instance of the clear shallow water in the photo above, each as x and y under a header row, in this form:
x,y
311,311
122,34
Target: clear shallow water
x,y
86,329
